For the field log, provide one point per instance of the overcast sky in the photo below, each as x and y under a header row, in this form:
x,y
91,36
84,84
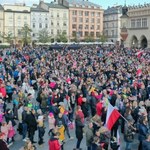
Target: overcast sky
x,y
103,3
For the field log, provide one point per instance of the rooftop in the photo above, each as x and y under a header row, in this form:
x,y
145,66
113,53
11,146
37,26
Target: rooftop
x,y
1,7
37,9
113,10
55,5
82,3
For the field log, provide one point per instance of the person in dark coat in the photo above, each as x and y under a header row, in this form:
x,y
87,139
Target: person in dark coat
x,y
143,130
32,125
3,145
146,143
78,130
9,117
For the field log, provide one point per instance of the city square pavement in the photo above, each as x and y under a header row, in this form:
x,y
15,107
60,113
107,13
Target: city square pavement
x,y
69,145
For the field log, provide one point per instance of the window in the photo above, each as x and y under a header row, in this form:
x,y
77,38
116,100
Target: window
x,y
87,27
57,23
46,25
33,25
80,26
58,31
132,23
33,35
80,13
80,34
86,13
80,20
74,26
74,33
92,34
106,32
92,27
92,14
52,23
98,14
112,25
64,24
46,19
74,19
57,15
86,33
92,20
98,27
40,25
97,34
98,20
87,20
138,23
19,32
112,33
144,22
64,31
52,32
74,12
52,14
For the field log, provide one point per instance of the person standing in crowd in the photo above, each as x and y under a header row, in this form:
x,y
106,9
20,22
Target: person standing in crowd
x,y
142,131
146,143
89,136
32,124
53,141
3,145
79,130
129,133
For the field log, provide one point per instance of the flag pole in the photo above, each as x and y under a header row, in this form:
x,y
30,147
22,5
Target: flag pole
x,y
127,121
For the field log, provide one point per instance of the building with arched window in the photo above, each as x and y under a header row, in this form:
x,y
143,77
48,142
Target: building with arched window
x,y
138,25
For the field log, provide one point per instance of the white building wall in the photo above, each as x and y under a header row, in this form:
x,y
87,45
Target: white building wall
x,y
38,18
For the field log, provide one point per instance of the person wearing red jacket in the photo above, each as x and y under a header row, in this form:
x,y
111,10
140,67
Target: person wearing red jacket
x,y
99,107
53,142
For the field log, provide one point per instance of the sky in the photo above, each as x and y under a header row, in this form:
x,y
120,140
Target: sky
x,y
103,3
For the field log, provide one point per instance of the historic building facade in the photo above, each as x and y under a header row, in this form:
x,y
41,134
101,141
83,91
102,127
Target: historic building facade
x,y
1,22
59,18
85,19
15,17
112,23
39,20
138,26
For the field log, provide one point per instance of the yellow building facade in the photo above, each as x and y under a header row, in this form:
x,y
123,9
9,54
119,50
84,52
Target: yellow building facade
x,y
15,17
1,22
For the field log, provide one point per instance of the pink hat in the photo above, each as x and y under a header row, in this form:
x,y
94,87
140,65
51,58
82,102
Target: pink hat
x,y
51,114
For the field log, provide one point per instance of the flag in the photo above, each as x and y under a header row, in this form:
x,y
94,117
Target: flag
x,y
112,116
118,139
139,72
139,53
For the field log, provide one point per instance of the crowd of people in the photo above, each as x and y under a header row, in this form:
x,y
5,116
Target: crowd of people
x,y
71,90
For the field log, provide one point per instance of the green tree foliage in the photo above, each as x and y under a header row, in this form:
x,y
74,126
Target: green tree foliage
x,y
103,38
89,38
44,36
8,37
62,37
26,34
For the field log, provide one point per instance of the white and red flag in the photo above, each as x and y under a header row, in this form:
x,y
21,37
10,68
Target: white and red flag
x,y
139,53
112,116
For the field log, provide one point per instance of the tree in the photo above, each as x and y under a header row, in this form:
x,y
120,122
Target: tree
x,y
74,35
8,37
62,37
89,38
26,34
103,38
44,36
